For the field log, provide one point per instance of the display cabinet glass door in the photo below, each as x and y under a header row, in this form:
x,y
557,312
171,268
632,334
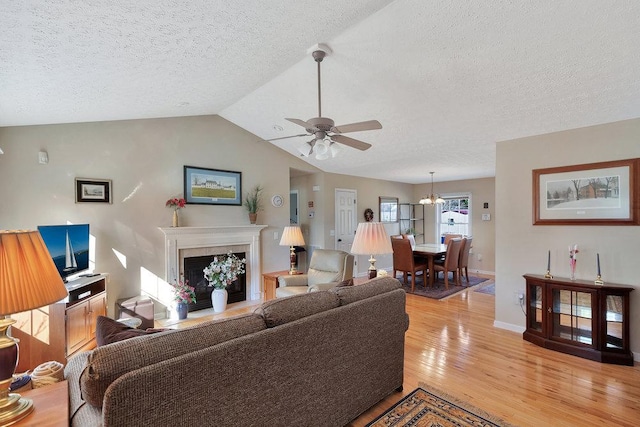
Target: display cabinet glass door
x,y
614,334
572,315
534,308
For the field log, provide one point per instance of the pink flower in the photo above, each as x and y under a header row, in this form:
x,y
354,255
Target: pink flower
x,y
176,203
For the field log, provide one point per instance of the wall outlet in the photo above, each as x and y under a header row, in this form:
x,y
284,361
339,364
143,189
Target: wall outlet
x,y
479,256
518,298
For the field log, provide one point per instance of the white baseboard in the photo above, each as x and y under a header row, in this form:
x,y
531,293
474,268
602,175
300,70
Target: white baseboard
x,y
509,327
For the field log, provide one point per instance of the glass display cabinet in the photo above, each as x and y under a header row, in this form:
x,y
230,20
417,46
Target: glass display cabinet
x,y
580,318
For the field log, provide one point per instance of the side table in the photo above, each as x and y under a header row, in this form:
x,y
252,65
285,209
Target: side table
x,y
50,406
270,282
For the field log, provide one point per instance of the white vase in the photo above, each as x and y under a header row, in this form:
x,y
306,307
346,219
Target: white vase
x,y
219,300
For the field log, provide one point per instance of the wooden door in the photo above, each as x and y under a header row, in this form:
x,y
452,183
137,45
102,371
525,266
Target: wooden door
x,y
77,326
97,307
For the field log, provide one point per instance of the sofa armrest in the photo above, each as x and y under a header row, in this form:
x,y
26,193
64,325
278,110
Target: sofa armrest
x,y
293,280
323,286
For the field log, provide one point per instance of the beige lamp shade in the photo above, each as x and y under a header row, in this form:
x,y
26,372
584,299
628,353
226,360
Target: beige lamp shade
x,y
371,239
28,277
292,236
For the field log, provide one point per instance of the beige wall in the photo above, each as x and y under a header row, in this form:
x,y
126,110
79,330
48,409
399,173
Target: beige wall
x,y
482,191
322,224
145,160
522,247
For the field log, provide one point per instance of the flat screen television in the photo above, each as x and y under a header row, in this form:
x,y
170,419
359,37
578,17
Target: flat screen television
x,y
68,245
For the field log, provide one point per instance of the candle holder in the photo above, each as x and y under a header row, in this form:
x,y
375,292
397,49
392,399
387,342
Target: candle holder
x,y
548,275
599,280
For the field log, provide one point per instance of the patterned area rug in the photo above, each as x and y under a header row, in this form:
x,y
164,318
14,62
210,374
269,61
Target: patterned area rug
x,y
428,407
439,291
488,289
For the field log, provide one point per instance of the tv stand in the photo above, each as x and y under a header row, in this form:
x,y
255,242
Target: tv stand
x,y
64,328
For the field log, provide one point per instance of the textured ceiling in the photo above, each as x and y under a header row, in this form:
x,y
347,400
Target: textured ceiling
x,y
446,79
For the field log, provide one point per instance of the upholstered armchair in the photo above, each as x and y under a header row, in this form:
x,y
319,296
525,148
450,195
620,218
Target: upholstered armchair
x,y
327,268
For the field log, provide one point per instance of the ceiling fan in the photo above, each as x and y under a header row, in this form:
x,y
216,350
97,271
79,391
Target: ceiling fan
x,y
323,129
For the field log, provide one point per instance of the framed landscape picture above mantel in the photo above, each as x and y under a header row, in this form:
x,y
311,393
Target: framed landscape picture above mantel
x,y
212,186
604,193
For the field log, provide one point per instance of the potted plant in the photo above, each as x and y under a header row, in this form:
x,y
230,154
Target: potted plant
x,y
253,203
183,295
223,271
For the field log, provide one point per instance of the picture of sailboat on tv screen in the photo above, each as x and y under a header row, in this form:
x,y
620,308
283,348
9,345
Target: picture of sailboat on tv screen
x,y
68,246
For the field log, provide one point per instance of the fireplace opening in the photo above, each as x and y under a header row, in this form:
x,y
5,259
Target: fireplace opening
x,y
193,267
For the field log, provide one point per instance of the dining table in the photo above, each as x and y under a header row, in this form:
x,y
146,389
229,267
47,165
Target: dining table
x,y
430,251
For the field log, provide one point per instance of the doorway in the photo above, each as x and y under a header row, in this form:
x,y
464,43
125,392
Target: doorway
x,y
346,224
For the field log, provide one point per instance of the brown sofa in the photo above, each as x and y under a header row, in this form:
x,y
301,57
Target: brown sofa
x,y
315,359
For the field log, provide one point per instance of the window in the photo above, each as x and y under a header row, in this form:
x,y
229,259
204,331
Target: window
x,y
454,216
388,209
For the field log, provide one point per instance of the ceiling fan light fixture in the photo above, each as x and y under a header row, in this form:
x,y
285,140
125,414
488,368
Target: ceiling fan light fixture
x,y
335,149
433,198
322,149
306,149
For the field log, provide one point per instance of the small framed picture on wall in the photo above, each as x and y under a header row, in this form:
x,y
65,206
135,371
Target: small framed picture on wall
x,y
89,190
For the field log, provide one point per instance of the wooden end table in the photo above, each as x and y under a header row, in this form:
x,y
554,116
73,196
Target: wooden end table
x,y
270,283
50,406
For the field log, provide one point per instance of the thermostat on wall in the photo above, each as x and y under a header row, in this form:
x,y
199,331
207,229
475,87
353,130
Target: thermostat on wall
x,y
486,217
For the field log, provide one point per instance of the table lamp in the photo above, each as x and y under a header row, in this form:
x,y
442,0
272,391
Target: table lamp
x,y
371,239
28,280
292,236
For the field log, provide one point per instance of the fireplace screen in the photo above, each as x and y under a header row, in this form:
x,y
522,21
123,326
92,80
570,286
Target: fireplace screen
x,y
193,267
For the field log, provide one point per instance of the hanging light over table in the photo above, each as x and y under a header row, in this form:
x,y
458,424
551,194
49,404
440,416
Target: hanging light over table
x,y
433,198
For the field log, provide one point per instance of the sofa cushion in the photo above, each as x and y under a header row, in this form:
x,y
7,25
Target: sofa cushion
x,y
379,285
109,331
283,310
105,364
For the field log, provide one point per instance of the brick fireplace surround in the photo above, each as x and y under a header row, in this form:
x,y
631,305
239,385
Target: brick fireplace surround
x,y
194,241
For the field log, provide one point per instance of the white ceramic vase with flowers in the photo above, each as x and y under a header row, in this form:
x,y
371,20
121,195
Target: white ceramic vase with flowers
x,y
223,271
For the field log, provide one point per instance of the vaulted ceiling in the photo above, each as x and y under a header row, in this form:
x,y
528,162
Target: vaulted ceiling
x,y
446,79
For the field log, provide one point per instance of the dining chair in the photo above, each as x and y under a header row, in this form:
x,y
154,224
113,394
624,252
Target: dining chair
x,y
448,237
450,262
464,258
404,261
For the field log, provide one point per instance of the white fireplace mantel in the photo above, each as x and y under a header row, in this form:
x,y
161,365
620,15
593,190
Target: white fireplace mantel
x,y
179,238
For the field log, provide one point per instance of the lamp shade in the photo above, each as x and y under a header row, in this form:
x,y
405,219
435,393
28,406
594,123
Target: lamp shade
x,y
28,277
292,236
371,239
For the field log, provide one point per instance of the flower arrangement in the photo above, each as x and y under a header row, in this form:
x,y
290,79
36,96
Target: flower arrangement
x,y
182,292
176,203
224,270
573,250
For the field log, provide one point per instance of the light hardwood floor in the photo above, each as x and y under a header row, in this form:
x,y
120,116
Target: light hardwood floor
x,y
452,345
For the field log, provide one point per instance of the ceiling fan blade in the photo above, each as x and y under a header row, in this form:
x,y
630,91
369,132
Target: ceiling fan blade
x,y
350,142
303,124
357,127
286,137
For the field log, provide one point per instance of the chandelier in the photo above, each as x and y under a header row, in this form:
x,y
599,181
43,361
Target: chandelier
x,y
433,198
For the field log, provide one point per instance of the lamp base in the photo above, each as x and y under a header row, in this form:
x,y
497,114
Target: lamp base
x,y
372,268
293,261
12,406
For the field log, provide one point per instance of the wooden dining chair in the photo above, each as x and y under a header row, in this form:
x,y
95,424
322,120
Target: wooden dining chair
x,y
464,258
448,237
450,262
404,261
